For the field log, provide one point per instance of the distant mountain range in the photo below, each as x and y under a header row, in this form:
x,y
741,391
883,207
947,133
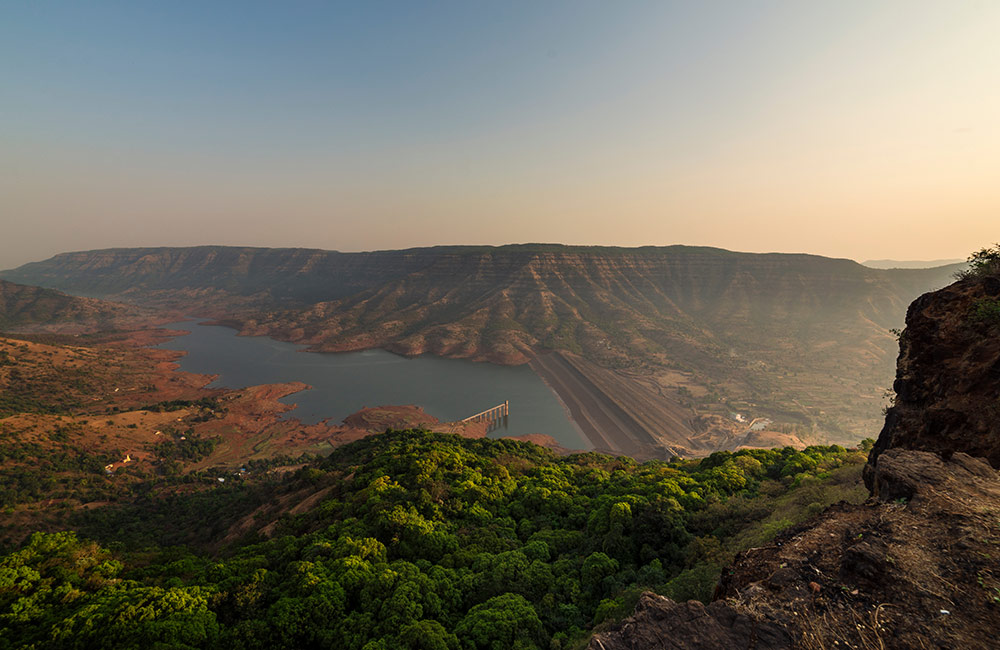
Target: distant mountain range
x,y
281,275
909,264
802,339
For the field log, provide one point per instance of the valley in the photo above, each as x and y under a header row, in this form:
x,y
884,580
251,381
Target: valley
x,y
678,342
211,507
290,359
103,432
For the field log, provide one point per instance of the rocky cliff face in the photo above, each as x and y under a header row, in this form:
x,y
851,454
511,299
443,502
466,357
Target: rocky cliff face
x,y
947,375
914,567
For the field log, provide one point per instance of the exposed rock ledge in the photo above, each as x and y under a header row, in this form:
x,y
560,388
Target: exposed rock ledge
x,y
659,622
947,377
888,574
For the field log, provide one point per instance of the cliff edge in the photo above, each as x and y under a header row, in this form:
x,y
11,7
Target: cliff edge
x,y
917,565
947,375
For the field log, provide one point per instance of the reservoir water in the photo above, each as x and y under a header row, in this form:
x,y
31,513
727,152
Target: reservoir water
x,y
343,383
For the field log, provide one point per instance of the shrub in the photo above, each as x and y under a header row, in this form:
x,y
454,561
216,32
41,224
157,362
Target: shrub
x,y
986,311
982,262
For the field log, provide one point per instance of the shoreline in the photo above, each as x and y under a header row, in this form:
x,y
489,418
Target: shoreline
x,y
608,412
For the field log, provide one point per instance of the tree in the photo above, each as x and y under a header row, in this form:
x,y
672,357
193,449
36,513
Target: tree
x,y
985,261
427,635
505,622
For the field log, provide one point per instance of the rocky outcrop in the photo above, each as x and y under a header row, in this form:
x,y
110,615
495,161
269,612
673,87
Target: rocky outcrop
x,y
914,571
948,376
659,622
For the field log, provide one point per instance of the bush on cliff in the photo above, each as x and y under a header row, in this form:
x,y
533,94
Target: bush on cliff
x,y
982,263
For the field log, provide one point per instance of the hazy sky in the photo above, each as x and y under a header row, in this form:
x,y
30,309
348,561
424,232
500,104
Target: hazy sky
x,y
852,129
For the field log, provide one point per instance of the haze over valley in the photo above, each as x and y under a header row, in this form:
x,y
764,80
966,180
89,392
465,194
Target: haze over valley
x,y
565,325
686,346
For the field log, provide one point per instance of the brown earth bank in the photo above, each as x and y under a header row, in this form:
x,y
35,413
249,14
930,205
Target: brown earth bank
x,y
917,565
248,422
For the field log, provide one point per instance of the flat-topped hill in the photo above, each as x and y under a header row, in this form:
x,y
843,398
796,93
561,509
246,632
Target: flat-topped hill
x,y
801,339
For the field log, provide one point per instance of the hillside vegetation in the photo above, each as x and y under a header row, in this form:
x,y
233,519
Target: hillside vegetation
x,y
414,540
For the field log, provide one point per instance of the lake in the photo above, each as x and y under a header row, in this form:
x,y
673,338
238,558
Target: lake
x,y
344,383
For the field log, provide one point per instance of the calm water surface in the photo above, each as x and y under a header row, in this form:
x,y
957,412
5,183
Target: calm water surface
x,y
343,383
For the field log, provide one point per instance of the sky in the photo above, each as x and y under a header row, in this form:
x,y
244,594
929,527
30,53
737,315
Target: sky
x,y
856,129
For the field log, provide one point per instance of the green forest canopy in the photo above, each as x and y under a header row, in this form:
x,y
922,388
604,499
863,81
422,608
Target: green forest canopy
x,y
425,541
